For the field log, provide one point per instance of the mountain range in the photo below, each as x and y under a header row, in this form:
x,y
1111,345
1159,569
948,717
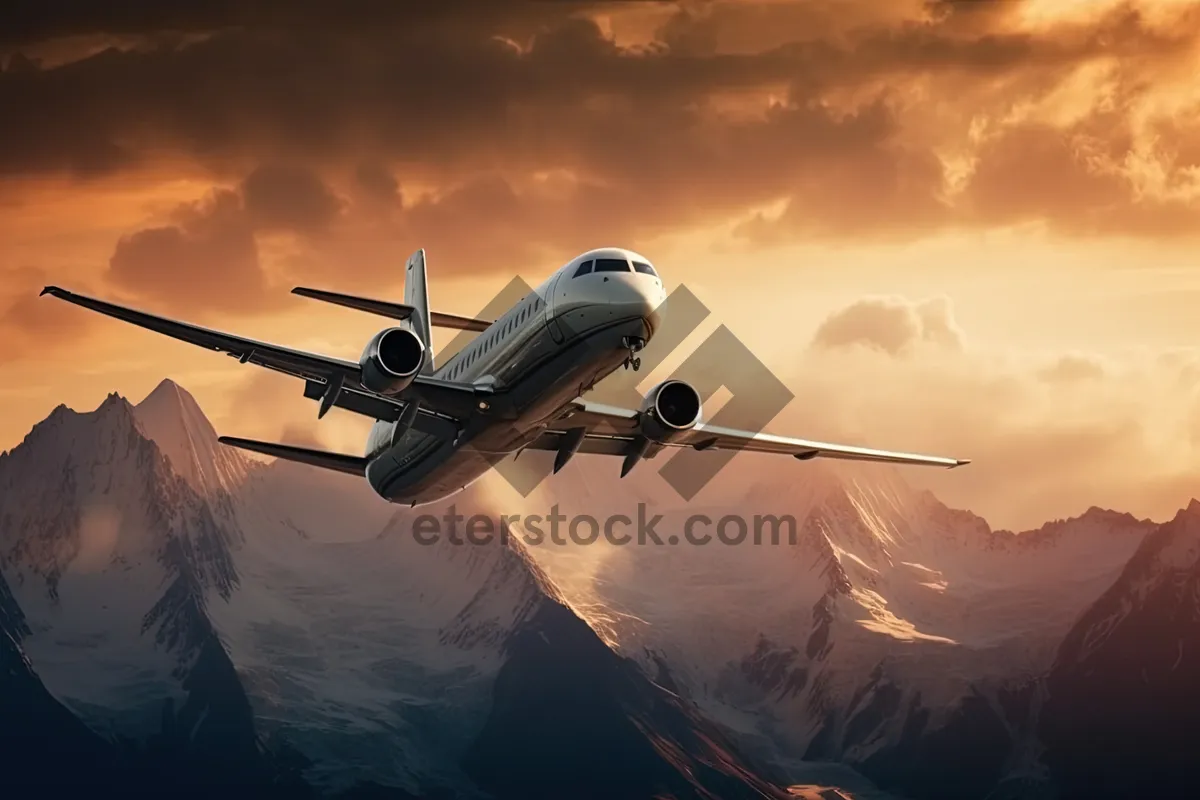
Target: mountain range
x,y
167,608
176,616
896,635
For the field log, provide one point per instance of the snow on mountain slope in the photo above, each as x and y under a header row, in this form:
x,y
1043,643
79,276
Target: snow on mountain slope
x,y
170,417
158,568
317,503
217,601
389,661
173,596
33,725
1122,706
115,559
12,619
891,618
381,648
430,662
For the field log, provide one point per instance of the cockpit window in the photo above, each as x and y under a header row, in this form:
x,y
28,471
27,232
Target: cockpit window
x,y
583,269
612,265
644,268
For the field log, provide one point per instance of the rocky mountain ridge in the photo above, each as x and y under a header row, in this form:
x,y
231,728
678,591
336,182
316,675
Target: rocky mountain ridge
x,y
179,613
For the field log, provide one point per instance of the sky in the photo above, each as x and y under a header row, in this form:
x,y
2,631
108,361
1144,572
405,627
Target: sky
x,y
965,228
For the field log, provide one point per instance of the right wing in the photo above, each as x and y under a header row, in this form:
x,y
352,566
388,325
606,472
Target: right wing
x,y
611,430
392,310
457,400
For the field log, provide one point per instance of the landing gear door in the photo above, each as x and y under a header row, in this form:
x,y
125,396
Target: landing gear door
x,y
551,298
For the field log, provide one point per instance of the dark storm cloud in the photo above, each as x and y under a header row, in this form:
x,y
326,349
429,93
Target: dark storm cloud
x,y
425,100
28,325
474,98
280,197
377,184
31,21
294,81
207,259
208,256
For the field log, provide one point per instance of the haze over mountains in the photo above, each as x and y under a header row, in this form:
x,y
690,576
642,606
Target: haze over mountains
x,y
897,635
176,615
170,598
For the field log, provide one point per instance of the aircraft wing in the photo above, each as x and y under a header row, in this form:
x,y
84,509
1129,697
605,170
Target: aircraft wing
x,y
433,394
613,430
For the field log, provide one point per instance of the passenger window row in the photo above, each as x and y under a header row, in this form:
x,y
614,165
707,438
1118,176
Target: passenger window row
x,y
494,333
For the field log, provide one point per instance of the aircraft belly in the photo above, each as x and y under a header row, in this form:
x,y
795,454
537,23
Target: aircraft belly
x,y
541,378
405,463
441,473
539,388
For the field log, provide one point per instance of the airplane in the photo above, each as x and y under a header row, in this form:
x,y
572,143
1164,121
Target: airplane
x,y
518,385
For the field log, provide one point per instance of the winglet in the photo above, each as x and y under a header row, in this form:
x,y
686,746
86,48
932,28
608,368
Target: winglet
x,y
961,462
54,290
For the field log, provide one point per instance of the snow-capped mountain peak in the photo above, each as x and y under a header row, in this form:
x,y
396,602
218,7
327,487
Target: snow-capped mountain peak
x,y
170,417
112,556
1180,545
887,607
1165,570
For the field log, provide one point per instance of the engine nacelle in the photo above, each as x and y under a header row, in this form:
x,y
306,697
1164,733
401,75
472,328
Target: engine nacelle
x,y
669,410
392,360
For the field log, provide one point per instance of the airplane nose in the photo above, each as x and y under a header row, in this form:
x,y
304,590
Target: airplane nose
x,y
642,297
653,304
630,296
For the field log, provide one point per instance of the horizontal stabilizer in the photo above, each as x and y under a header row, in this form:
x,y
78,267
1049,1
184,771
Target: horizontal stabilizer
x,y
393,310
339,462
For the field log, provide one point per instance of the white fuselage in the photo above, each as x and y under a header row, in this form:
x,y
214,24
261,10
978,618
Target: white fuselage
x,y
543,353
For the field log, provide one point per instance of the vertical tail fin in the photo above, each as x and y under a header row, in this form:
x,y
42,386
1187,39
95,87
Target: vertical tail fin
x,y
416,294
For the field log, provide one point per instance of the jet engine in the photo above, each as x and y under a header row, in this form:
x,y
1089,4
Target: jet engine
x,y
391,360
669,410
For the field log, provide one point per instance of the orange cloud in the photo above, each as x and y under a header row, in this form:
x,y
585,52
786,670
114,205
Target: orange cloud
x,y
203,161
892,325
27,325
209,257
874,114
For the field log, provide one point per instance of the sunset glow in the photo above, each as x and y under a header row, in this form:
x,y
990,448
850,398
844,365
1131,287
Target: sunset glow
x,y
950,226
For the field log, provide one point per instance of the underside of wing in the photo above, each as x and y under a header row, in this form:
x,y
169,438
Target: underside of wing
x,y
392,310
447,398
600,419
426,420
338,462
595,444
703,437
617,431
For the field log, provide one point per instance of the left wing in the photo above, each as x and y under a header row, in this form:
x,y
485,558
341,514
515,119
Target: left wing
x,y
446,397
615,431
